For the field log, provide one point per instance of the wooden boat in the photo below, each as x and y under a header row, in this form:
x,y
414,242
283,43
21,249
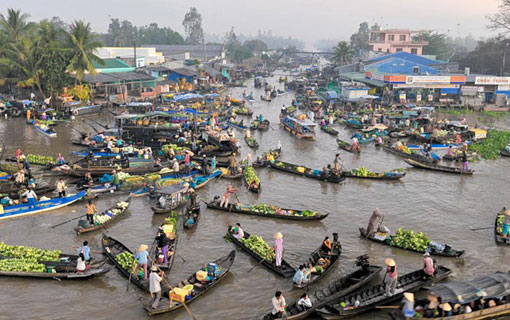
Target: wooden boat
x,y
446,252
303,129
253,187
458,156
330,257
462,292
251,142
334,290
372,297
244,111
254,125
305,172
112,248
264,125
201,181
46,130
249,210
265,98
101,171
263,162
285,270
169,227
175,197
121,211
346,146
390,175
199,288
329,130
236,125
504,153
66,272
413,156
437,167
227,174
13,190
24,209
498,225
190,212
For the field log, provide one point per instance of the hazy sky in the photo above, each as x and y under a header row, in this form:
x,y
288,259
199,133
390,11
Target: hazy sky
x,y
304,19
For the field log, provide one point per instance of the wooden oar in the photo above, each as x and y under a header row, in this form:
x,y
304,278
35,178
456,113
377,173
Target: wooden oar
x,y
130,273
170,287
476,229
387,307
67,221
258,263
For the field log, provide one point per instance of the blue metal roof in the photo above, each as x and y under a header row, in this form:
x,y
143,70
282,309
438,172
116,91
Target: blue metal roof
x,y
406,56
402,66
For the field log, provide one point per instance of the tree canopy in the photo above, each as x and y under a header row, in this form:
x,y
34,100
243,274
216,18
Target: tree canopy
x,y
192,24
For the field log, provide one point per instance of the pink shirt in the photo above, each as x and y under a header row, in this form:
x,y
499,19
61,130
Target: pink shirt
x,y
278,245
391,274
428,266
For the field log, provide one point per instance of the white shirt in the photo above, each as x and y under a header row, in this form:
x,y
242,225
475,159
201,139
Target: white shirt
x,y
305,302
239,234
80,264
154,282
278,305
30,194
109,144
176,166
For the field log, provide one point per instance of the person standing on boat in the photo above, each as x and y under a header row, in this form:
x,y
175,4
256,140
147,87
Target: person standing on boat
x,y
91,210
116,180
204,165
163,243
26,166
373,221
187,162
226,196
61,188
109,146
85,250
213,163
155,279
31,197
465,161
278,305
141,257
232,165
506,224
390,277
408,308
428,266
337,163
278,248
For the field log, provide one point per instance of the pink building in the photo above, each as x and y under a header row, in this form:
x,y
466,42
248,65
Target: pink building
x,y
396,40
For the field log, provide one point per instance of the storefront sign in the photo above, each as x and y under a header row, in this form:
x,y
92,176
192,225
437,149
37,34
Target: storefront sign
x,y
492,80
424,85
504,87
418,97
471,90
427,79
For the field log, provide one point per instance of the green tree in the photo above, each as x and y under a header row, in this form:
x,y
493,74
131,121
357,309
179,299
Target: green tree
x,y
438,45
342,53
193,27
81,44
239,53
15,26
231,41
360,39
255,45
487,58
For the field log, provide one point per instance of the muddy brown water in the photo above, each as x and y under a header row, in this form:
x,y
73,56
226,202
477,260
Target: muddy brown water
x,y
441,205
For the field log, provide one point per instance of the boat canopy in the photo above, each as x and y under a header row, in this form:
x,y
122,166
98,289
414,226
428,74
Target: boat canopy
x,y
486,287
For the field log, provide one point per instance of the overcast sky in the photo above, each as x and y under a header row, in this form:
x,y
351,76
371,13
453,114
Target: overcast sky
x,y
304,19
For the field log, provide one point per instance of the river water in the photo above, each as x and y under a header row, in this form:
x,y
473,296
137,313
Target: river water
x,y
441,205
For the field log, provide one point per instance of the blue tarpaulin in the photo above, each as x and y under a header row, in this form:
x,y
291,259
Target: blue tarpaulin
x,y
332,94
450,90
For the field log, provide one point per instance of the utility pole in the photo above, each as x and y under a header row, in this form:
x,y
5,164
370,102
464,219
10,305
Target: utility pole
x,y
134,54
503,64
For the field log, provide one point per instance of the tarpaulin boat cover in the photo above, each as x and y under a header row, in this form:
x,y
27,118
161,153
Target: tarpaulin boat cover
x,y
487,287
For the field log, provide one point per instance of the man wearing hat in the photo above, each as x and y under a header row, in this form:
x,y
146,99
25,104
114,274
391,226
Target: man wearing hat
x,y
155,286
141,257
408,308
506,224
390,277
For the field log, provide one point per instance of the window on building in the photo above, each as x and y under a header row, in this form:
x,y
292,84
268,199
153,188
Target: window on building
x,y
402,37
388,50
391,37
416,69
380,49
399,49
414,51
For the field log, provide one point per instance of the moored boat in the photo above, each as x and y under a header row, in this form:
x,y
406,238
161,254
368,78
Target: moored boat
x,y
58,272
306,172
329,130
251,180
237,125
302,128
498,227
264,125
285,270
44,129
262,210
346,146
174,197
13,189
105,218
201,181
251,142
412,155
367,299
437,167
192,213
433,248
362,173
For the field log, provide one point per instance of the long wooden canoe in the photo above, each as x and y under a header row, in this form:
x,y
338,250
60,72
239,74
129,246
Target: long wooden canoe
x,y
115,217
436,167
498,225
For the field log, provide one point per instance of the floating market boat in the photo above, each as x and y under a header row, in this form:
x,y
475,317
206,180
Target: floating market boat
x,y
329,130
251,180
372,297
201,181
425,245
227,174
191,213
504,153
254,125
101,171
362,173
251,142
109,216
458,156
463,292
264,125
175,197
237,125
44,129
413,155
263,210
498,228
244,111
346,146
440,146
13,190
437,167
24,209
285,270
275,153
52,272
306,172
334,290
300,127
327,258
198,287
169,228
265,98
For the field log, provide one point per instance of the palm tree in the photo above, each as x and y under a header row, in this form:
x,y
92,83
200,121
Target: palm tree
x,y
342,53
81,45
14,26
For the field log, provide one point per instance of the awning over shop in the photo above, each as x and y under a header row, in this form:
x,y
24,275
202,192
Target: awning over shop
x,y
450,90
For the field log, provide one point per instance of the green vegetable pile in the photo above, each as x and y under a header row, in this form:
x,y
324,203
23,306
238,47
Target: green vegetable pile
x,y
363,172
280,164
127,261
28,253
250,176
489,148
309,213
243,110
499,224
407,239
21,265
252,142
260,247
175,147
37,159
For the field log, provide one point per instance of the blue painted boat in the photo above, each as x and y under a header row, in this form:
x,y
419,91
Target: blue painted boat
x,y
5,177
96,154
236,125
47,132
200,181
21,210
144,191
438,146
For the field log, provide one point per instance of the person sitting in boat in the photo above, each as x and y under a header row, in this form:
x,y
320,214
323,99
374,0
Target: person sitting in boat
x,y
428,266
506,224
20,177
163,243
6,201
324,173
60,159
451,153
408,307
373,222
379,140
430,309
300,278
507,149
90,211
398,145
162,201
445,310
80,264
304,302
326,246
238,232
279,305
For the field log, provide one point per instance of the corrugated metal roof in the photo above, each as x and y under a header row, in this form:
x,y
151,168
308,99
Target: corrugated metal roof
x,y
117,77
110,64
399,65
405,56
196,51
360,77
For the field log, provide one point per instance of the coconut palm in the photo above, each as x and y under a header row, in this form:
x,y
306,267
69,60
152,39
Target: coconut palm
x,y
342,53
81,45
15,25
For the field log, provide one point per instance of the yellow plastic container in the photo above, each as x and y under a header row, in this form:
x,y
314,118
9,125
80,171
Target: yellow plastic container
x,y
201,275
178,294
188,289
